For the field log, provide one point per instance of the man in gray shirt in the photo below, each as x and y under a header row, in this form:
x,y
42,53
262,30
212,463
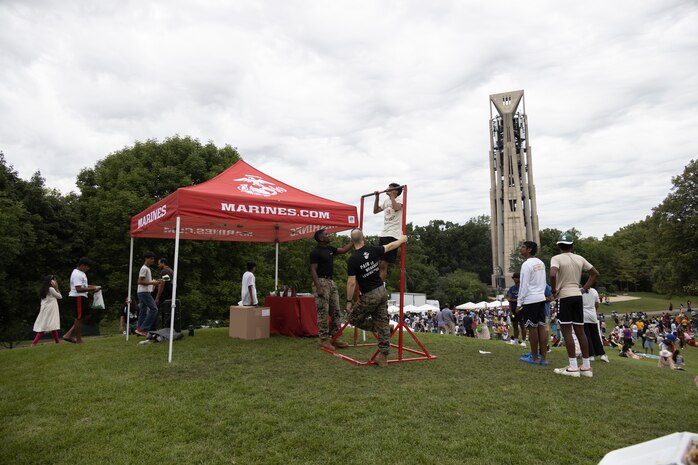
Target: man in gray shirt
x,y
447,321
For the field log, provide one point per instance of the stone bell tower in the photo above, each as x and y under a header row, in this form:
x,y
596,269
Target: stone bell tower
x,y
512,192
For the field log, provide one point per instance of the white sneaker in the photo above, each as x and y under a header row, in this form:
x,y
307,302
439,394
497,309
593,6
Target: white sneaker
x,y
605,358
591,359
588,373
567,371
523,344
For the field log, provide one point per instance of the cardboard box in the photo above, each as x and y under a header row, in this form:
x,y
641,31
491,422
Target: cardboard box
x,y
249,322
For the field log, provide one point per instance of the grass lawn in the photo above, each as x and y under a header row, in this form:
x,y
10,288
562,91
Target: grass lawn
x,y
648,302
283,401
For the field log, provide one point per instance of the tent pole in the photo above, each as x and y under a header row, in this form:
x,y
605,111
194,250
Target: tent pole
x,y
128,301
276,268
173,308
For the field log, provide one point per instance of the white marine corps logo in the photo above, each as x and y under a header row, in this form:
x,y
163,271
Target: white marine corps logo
x,y
258,186
365,255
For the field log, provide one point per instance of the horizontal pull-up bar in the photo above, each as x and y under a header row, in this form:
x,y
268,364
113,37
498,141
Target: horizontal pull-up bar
x,y
383,192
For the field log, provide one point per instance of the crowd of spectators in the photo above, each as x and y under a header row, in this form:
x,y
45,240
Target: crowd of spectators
x,y
633,334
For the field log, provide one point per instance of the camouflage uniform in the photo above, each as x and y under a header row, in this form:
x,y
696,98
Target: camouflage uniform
x,y
327,308
371,314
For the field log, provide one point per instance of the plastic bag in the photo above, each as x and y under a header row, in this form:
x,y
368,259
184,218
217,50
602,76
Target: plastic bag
x,y
98,300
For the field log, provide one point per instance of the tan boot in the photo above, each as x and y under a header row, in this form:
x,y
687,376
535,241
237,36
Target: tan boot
x,y
340,344
325,344
381,360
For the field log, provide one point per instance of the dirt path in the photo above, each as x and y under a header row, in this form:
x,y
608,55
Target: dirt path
x,y
623,298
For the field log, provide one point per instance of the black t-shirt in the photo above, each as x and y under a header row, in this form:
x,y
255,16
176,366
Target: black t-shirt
x,y
363,264
167,292
323,256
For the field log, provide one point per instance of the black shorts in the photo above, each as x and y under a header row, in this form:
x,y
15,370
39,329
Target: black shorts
x,y
390,257
533,315
79,306
571,311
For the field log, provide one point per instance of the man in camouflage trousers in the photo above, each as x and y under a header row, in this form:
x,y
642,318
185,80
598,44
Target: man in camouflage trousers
x,y
325,290
371,311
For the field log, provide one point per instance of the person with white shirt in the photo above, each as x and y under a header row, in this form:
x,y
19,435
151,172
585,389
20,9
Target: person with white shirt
x,y
392,224
591,322
249,290
565,275
148,310
531,302
77,297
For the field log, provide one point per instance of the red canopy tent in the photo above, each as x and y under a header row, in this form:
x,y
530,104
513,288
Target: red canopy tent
x,y
240,204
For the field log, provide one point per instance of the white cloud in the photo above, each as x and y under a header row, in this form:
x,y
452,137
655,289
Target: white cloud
x,y
341,98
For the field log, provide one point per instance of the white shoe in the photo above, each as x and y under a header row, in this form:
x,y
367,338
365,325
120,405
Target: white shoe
x,y
567,371
588,373
591,359
523,344
605,358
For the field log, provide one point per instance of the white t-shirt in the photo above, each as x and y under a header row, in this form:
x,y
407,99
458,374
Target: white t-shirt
x,y
392,219
532,284
247,281
570,267
77,279
148,275
590,299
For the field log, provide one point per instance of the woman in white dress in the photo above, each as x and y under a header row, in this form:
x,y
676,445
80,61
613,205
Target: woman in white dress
x,y
49,319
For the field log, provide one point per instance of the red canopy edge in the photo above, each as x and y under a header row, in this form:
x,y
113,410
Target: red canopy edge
x,y
242,204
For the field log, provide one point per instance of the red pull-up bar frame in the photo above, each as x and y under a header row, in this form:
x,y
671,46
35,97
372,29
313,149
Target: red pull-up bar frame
x,y
423,353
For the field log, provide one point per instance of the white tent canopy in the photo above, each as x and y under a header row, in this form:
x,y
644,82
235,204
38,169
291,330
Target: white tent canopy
x,y
495,304
467,306
482,304
426,308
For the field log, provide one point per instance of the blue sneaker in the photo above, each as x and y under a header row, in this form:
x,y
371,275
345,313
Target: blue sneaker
x,y
527,354
529,360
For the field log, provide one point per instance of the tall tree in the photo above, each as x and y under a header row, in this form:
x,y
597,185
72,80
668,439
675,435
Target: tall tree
x,y
39,233
128,181
675,235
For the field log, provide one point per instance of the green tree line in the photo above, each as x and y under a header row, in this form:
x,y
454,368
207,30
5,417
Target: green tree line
x,y
45,232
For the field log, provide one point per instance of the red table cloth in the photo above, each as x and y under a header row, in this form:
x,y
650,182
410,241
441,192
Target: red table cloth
x,y
292,316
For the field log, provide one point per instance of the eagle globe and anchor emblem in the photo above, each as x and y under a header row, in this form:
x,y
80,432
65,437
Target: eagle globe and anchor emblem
x,y
255,185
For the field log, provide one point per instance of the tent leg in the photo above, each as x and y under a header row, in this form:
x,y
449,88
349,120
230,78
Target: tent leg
x,y
276,268
174,292
128,301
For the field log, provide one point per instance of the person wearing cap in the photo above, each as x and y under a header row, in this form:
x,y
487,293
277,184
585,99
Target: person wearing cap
x,y
249,290
77,298
371,310
325,289
392,224
565,275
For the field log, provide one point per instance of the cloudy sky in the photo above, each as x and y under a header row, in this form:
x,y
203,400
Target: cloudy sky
x,y
340,98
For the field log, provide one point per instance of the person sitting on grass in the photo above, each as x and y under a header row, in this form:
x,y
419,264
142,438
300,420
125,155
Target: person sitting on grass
x,y
665,360
678,360
628,353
